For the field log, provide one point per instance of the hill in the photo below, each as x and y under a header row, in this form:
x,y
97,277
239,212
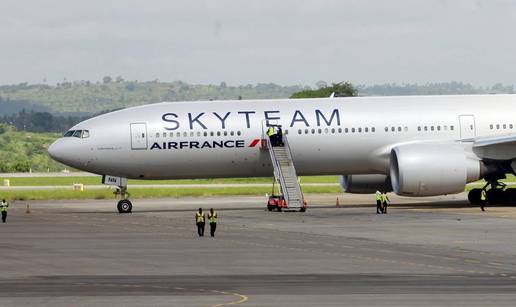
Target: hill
x,y
25,151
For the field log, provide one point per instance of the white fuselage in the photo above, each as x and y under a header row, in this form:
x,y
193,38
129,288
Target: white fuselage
x,y
327,135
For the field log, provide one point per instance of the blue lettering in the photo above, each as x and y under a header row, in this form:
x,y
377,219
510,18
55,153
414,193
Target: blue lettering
x,y
206,144
247,117
166,117
218,144
196,119
268,117
319,115
222,119
240,143
155,146
172,145
300,119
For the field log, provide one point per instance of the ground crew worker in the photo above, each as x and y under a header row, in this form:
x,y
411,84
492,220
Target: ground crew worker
x,y
483,198
3,208
271,133
378,196
212,219
199,220
279,137
385,201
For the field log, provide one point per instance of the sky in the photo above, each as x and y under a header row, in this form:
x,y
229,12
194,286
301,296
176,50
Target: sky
x,y
239,41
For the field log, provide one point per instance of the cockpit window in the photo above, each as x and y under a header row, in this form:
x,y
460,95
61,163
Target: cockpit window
x,y
81,134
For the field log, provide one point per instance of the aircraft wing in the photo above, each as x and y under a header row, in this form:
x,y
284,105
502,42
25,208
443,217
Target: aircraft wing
x,y
499,147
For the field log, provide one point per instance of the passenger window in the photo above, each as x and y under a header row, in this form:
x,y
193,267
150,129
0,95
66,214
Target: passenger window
x,y
393,129
178,134
85,134
239,133
451,127
286,131
332,130
319,130
491,126
366,129
418,128
438,128
346,130
373,129
225,133
432,128
505,126
218,133
339,130
299,131
426,128
198,133
205,133
497,126
386,129
445,127
232,133
306,131
326,130
313,131
185,134
211,133
157,134
164,134
399,129
510,126
352,130
405,128
359,129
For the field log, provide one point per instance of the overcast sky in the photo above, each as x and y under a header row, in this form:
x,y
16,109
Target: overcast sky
x,y
240,42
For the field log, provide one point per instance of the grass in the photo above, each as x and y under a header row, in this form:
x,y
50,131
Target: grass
x,y
58,181
107,193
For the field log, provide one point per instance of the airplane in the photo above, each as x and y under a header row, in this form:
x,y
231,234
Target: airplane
x,y
413,145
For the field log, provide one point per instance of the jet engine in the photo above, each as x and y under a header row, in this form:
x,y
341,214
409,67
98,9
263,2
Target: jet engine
x,y
365,184
432,169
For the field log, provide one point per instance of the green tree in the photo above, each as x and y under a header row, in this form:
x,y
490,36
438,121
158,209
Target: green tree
x,y
342,89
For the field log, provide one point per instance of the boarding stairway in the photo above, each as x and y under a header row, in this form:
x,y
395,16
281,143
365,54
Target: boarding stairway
x,y
285,174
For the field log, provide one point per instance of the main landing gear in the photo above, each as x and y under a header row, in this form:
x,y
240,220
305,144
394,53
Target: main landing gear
x,y
124,205
497,194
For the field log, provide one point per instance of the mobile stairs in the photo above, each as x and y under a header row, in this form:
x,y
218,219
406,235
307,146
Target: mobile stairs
x,y
291,198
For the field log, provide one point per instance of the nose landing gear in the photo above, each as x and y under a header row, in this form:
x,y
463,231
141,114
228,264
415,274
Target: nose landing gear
x,y
124,205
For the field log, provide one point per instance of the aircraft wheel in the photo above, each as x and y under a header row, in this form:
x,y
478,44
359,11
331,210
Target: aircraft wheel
x,y
511,196
474,196
124,206
496,197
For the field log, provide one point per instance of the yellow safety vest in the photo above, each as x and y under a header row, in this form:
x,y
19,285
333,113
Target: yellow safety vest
x,y
3,207
199,217
379,196
212,218
270,131
483,195
385,198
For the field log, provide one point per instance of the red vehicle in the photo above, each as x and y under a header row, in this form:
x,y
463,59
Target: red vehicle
x,y
276,202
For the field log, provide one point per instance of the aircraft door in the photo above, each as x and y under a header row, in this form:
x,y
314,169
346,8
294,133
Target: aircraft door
x,y
139,136
467,127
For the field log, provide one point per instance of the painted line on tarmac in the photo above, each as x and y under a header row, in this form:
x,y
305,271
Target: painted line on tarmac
x,y
242,298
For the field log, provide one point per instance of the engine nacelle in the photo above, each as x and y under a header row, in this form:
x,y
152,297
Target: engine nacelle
x,y
432,169
365,184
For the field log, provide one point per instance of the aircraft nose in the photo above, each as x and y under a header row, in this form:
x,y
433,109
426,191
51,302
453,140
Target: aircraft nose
x,y
60,151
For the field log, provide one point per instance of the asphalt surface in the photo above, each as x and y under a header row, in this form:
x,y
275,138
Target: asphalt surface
x,y
424,252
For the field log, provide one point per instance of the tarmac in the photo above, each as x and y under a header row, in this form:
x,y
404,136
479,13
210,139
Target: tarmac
x,y
435,251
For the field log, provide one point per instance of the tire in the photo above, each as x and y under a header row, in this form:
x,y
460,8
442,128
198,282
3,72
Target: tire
x,y
474,197
124,206
270,207
278,208
303,209
511,196
496,197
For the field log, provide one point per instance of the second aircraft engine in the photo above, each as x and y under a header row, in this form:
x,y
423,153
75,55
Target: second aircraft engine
x,y
365,184
432,169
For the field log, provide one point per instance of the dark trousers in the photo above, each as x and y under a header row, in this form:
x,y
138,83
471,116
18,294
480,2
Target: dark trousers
x,y
200,229
4,216
378,206
385,207
213,227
